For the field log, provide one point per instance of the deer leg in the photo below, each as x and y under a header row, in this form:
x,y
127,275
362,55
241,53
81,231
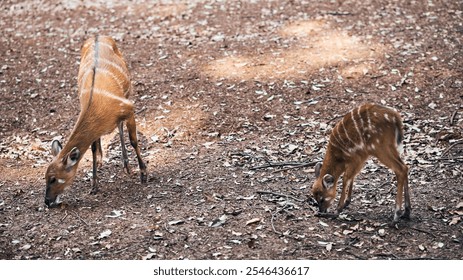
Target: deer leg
x,y
125,158
99,153
96,150
132,129
347,184
392,160
349,193
408,206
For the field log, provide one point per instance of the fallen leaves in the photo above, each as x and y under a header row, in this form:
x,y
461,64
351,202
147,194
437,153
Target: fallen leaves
x,y
104,234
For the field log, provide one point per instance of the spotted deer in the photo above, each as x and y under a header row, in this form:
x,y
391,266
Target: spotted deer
x,y
104,87
369,130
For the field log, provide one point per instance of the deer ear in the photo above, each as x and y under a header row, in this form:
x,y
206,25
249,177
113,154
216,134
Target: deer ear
x,y
56,147
72,158
328,181
318,166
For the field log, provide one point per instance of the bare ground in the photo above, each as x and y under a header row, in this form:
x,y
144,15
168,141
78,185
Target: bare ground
x,y
229,94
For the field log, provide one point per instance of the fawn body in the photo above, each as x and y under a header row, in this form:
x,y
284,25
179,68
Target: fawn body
x,y
368,130
104,87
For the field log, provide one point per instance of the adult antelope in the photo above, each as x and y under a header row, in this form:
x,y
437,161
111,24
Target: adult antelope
x,y
104,87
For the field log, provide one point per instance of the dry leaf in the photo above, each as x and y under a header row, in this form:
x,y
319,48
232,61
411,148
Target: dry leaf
x,y
253,221
104,234
115,214
176,222
347,231
218,222
329,246
455,220
323,224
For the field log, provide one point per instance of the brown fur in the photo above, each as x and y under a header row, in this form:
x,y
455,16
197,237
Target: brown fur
x,y
104,86
369,130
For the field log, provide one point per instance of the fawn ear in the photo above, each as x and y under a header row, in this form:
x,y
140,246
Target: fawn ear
x,y
328,181
56,147
72,158
318,166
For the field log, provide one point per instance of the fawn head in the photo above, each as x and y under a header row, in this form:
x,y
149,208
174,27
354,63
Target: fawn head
x,y
323,189
60,172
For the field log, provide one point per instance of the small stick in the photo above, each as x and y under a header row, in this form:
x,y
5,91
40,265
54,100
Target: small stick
x,y
65,216
273,216
452,118
423,231
450,159
281,195
279,164
451,146
355,255
77,215
295,166
337,13
332,119
273,226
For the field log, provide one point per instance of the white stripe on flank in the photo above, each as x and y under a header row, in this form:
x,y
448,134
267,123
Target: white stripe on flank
x,y
345,132
362,125
106,45
87,63
356,126
340,148
115,65
110,95
104,71
82,80
111,74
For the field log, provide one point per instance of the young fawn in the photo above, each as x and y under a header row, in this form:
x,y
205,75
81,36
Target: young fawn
x,y
369,130
104,87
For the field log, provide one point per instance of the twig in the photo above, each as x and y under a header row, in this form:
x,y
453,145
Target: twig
x,y
65,216
273,216
355,255
451,147
337,13
450,159
281,195
140,111
273,226
423,231
279,164
390,253
452,118
332,119
296,166
77,215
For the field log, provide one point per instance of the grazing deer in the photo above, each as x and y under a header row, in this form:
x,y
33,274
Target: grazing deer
x,y
369,130
104,88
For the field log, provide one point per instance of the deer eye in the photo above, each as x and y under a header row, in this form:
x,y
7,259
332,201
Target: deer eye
x,y
52,181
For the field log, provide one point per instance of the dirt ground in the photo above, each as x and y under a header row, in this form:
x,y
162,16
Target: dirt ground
x,y
235,101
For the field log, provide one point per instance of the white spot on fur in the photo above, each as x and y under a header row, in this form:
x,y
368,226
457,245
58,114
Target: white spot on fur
x,y
61,181
386,116
400,148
